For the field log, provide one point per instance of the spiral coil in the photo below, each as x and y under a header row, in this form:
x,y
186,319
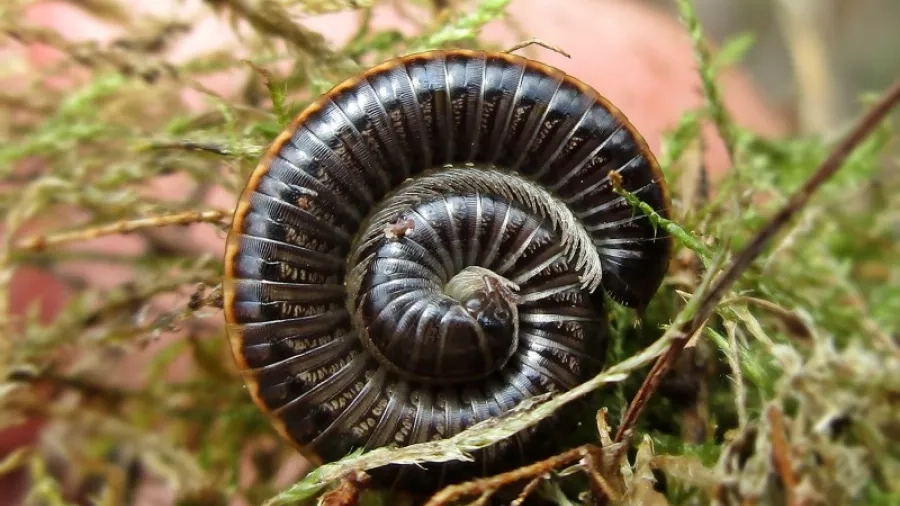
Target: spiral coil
x,y
422,249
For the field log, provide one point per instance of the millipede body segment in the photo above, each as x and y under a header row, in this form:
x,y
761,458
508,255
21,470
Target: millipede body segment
x,y
429,244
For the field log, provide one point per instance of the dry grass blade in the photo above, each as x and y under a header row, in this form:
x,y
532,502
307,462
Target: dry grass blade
x,y
41,242
805,25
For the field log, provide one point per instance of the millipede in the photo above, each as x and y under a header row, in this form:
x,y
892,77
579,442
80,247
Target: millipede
x,y
430,243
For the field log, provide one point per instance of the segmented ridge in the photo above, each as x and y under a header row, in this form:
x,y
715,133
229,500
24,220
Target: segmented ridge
x,y
302,211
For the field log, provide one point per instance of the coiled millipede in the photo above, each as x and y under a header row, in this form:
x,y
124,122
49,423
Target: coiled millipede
x,y
429,244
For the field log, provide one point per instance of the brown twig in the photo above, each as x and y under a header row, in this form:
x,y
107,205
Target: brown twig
x,y
743,260
41,242
347,493
659,371
600,486
483,499
528,490
781,454
490,484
